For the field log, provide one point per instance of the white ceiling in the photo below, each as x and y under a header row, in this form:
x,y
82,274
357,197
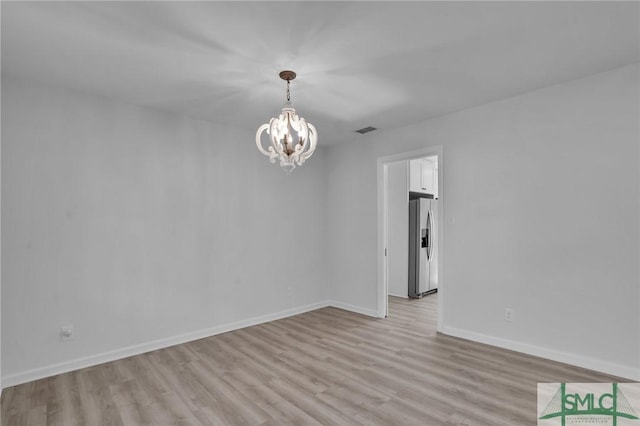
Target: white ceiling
x,y
381,64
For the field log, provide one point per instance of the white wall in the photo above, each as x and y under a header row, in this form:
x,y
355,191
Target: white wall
x,y
136,225
398,218
132,224
544,189
1,386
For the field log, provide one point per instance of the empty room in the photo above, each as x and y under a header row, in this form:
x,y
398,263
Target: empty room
x,y
320,213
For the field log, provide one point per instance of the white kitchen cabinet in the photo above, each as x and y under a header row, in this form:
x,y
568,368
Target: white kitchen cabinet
x,y
415,175
423,176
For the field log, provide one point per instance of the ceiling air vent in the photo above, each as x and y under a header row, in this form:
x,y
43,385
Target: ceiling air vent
x,y
366,130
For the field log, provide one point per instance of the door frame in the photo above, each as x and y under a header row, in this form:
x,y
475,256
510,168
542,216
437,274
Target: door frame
x,y
383,228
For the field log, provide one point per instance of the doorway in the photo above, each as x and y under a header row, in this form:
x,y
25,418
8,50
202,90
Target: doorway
x,y
388,172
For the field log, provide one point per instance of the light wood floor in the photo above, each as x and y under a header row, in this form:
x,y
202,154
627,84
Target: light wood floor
x,y
328,367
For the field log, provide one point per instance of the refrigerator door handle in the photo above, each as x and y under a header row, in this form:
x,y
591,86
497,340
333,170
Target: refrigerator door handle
x,y
430,243
428,233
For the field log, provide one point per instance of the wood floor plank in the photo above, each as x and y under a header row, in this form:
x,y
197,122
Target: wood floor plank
x,y
325,367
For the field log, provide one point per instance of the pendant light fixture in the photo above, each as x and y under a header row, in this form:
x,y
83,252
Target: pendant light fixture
x,y
292,139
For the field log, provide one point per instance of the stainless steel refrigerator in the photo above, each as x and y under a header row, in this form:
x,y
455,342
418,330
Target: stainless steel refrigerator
x,y
423,244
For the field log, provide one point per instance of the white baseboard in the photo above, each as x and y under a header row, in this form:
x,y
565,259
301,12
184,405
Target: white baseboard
x,y
404,296
551,354
75,364
354,308
78,363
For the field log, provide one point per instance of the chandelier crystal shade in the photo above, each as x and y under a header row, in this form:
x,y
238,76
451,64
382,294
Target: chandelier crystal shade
x,y
292,139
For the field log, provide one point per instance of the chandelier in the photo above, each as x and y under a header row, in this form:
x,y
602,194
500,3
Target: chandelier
x,y
292,139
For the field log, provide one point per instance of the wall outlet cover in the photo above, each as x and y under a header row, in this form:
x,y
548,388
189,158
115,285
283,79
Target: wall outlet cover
x,y
509,314
66,333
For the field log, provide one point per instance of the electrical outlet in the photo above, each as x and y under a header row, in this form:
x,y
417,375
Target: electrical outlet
x,y
509,314
289,291
66,333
